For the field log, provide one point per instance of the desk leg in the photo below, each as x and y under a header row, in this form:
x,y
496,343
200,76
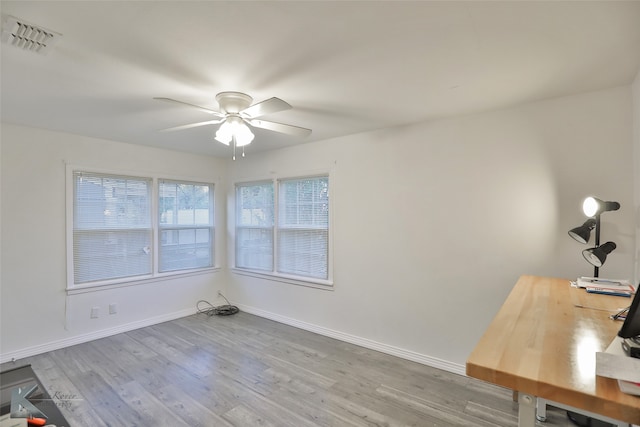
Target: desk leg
x,y
541,410
526,410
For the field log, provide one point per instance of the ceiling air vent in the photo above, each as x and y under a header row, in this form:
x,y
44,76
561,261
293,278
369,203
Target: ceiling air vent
x,y
17,32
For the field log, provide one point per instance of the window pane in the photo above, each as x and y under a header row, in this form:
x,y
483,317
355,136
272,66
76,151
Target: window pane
x,y
185,203
103,255
254,205
254,248
112,235
304,202
303,225
254,226
303,253
186,225
186,248
102,201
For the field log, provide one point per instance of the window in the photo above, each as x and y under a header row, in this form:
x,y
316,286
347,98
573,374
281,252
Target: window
x,y
303,227
117,237
112,233
290,241
186,226
254,226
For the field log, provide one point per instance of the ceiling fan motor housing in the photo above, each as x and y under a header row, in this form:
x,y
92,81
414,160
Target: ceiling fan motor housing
x,y
233,102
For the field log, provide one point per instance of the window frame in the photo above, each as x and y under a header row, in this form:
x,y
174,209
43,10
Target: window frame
x,y
155,275
300,225
105,235
270,228
274,275
184,227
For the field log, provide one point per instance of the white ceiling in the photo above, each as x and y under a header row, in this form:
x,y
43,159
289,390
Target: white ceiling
x,y
346,67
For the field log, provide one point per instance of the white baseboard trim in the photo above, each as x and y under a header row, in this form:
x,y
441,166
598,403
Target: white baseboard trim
x,y
79,339
353,339
362,342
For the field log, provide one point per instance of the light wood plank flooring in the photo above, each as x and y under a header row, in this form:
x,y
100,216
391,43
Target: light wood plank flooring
x,y
244,370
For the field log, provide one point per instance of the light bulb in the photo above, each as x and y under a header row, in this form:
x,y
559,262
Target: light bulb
x,y
590,206
234,128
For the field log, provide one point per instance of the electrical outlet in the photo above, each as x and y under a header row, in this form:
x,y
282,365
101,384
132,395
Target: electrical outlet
x,y
113,308
95,312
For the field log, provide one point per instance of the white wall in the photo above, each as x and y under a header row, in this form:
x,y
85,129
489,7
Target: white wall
x,y
636,138
35,314
435,222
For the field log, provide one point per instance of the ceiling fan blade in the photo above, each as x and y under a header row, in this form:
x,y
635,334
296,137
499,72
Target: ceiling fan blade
x,y
206,110
268,106
194,125
279,127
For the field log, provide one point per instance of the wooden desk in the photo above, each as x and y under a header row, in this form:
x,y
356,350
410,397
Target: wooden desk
x,y
542,343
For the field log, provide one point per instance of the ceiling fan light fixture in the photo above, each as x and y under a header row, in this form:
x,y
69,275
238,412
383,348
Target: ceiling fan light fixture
x,y
243,135
238,115
234,128
224,134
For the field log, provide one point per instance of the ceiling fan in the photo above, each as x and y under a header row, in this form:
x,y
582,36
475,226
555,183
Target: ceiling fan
x,y
236,112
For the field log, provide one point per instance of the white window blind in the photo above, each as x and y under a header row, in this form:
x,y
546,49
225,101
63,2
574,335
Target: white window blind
x,y
291,241
186,230
112,232
254,226
303,227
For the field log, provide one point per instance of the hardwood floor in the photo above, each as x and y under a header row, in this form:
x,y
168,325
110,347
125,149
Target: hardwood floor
x,y
244,370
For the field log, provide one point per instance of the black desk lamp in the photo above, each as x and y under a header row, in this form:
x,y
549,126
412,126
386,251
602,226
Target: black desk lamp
x,y
592,208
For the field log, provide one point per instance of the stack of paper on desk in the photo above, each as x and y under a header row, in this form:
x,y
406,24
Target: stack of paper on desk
x,y
614,363
598,285
585,282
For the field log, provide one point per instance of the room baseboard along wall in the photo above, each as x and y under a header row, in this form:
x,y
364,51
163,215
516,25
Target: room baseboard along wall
x,y
362,342
103,333
352,339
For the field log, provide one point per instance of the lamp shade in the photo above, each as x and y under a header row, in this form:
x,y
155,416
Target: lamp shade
x,y
597,256
592,206
232,128
582,233
243,135
224,133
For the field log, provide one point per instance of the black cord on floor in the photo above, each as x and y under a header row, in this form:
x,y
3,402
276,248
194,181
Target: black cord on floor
x,y
221,310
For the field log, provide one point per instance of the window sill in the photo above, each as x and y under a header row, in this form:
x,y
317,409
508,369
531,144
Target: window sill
x,y
96,287
326,285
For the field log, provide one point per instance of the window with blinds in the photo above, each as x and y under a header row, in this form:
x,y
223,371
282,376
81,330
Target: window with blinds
x,y
254,226
112,231
116,236
186,232
292,240
303,227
